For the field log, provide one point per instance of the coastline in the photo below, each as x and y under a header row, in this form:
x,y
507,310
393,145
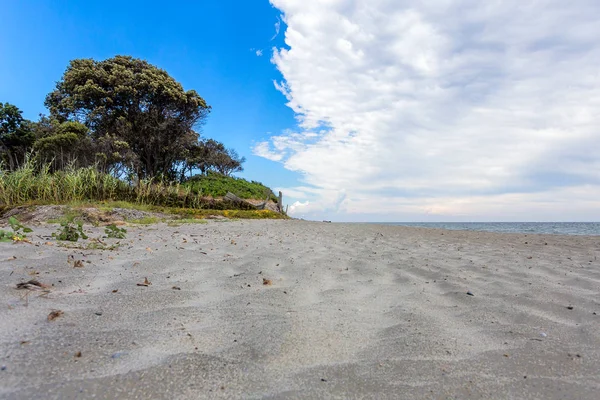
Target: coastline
x,y
348,310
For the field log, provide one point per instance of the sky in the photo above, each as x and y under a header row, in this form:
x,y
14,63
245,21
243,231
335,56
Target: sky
x,y
361,110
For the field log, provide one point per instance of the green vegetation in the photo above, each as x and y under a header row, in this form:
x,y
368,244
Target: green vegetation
x,y
124,117
217,185
31,185
119,130
18,231
70,231
114,232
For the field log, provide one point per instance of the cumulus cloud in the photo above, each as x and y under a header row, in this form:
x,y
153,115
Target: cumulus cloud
x,y
445,108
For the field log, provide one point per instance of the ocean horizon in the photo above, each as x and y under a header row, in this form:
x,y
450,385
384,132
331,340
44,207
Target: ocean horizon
x,y
553,228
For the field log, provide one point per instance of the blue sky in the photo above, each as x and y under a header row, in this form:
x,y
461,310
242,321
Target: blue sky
x,y
362,110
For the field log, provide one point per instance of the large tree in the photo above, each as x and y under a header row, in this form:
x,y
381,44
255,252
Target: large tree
x,y
123,99
16,135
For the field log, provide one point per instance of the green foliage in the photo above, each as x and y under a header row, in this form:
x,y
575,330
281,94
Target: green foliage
x,y
211,155
217,185
114,232
63,144
17,227
18,231
121,115
5,236
135,102
70,231
32,185
16,136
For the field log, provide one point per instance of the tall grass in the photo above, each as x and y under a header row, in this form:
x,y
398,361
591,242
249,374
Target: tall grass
x,y
34,185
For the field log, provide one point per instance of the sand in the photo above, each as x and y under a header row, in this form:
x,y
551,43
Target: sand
x,y
347,311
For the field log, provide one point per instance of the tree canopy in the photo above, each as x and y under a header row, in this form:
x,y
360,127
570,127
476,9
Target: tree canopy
x,y
131,101
16,135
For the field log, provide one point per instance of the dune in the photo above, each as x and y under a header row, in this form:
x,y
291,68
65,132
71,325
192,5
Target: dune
x,y
296,309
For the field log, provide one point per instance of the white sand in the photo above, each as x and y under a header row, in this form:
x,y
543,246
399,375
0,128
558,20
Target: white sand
x,y
354,311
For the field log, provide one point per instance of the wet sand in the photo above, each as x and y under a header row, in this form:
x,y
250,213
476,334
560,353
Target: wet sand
x,y
347,311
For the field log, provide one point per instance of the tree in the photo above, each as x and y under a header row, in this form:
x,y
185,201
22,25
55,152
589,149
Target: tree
x,y
211,155
16,135
134,102
63,144
228,162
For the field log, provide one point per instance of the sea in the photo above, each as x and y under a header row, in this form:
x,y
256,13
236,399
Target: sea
x,y
554,228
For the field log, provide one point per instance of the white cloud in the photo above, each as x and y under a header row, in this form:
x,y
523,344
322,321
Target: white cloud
x,y
259,53
457,106
277,28
262,150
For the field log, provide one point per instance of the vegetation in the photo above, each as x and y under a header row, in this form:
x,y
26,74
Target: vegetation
x,y
16,135
70,231
120,129
217,185
18,231
114,232
31,185
123,116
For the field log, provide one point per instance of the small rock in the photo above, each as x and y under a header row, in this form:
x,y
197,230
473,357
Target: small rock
x,y
3,368
470,293
570,307
98,313
542,334
323,380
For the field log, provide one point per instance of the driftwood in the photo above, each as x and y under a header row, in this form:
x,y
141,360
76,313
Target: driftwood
x,y
232,198
243,204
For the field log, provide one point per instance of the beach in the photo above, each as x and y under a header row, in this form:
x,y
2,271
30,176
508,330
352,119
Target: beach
x,y
296,309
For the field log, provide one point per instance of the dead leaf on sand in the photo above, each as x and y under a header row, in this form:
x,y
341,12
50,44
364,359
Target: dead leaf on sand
x,y
55,314
32,285
149,249
78,354
115,290
78,264
146,283
267,282
176,288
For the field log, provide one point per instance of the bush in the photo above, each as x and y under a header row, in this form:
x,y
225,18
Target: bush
x,y
216,185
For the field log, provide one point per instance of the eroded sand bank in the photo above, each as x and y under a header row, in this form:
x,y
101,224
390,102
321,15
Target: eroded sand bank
x,y
351,311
